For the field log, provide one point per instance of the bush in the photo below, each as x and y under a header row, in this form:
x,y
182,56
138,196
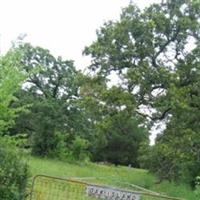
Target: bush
x,y
79,149
168,163
13,172
197,187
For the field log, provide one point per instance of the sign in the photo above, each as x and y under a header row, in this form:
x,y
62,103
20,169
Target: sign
x,y
110,193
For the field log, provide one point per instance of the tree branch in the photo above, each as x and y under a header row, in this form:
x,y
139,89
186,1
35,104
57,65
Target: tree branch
x,y
161,117
36,83
162,48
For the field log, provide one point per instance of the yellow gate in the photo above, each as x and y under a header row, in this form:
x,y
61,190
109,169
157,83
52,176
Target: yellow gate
x,y
54,188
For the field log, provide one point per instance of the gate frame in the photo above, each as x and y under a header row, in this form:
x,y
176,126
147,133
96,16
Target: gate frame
x,y
85,184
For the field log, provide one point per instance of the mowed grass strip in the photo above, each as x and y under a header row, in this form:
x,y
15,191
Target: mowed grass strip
x,y
119,176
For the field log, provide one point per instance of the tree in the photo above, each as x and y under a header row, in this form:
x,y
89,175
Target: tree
x,y
181,139
11,79
116,134
52,90
13,170
148,51
144,47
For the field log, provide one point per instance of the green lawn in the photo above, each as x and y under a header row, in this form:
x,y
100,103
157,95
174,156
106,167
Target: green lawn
x,y
108,175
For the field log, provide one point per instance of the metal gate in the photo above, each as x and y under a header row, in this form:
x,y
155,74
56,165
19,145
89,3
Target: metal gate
x,y
54,188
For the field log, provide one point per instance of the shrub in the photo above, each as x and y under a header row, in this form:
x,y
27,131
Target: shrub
x,y
13,172
169,163
79,149
197,187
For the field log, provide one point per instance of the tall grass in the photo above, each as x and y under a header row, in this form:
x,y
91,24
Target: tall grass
x,y
119,176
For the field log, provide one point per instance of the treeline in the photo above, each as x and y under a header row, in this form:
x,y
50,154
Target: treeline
x,y
73,116
53,110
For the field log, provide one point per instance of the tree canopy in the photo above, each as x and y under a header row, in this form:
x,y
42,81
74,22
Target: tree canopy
x,y
155,54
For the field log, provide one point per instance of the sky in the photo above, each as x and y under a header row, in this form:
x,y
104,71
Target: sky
x,y
64,27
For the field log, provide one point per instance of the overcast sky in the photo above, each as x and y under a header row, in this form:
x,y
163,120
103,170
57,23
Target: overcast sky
x,y
64,27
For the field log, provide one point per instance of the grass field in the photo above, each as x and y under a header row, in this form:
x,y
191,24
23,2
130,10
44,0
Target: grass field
x,y
108,175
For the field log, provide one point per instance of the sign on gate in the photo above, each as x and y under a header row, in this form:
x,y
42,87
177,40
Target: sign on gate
x,y
110,193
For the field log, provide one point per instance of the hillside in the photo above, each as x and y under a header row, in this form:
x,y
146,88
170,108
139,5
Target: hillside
x,y
109,175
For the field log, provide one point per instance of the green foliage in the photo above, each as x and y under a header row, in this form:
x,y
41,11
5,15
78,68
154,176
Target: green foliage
x,y
44,138
20,140
11,79
148,51
66,113
51,89
181,138
49,77
197,187
13,172
117,134
118,139
78,150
